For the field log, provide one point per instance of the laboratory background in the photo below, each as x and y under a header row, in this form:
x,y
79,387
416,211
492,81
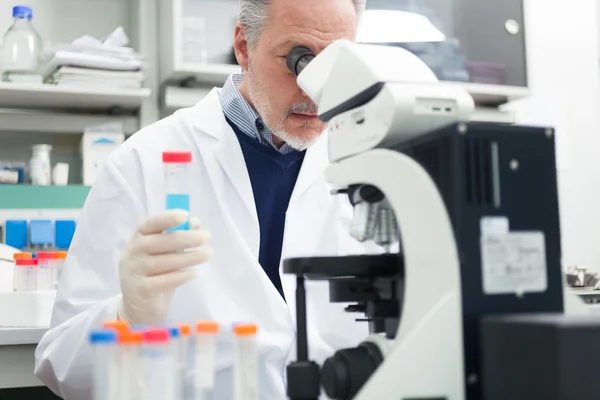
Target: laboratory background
x,y
80,76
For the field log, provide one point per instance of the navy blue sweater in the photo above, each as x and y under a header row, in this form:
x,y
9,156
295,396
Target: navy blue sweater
x,y
273,177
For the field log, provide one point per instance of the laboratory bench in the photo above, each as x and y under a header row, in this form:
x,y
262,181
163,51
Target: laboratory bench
x,y
17,355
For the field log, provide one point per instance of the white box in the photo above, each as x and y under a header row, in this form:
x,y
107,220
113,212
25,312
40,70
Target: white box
x,y
95,150
26,309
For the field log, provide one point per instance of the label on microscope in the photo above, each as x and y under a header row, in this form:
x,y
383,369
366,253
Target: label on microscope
x,y
514,263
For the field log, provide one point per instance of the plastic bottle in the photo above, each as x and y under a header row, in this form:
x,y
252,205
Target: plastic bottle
x,y
204,359
106,366
131,386
245,367
177,183
25,275
45,271
39,165
22,45
158,364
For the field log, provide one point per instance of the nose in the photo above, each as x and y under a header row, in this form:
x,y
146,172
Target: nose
x,y
304,93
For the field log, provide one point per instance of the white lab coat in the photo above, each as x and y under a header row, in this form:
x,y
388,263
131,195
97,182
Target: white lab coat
x,y
232,287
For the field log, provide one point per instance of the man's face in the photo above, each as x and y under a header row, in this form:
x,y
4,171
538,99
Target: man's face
x,y
270,86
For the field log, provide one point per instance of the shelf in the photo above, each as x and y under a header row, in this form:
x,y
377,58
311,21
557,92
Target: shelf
x,y
28,121
42,197
205,74
492,95
175,98
32,96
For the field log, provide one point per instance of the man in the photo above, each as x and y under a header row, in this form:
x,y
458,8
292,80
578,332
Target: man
x,y
256,184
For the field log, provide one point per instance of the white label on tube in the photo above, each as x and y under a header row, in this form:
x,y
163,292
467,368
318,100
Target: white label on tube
x,y
205,362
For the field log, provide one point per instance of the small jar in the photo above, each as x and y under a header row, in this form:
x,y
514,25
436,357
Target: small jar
x,y
39,165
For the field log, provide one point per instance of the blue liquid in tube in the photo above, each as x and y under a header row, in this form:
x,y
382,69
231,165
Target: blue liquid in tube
x,y
179,202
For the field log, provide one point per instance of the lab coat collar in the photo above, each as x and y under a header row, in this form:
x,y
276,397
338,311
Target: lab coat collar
x,y
206,119
210,120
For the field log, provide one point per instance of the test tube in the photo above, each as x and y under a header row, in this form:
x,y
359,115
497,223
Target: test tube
x,y
45,271
204,358
131,375
106,368
177,165
158,365
25,275
59,263
185,358
178,370
245,367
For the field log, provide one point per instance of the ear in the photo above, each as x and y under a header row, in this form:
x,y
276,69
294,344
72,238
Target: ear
x,y
240,46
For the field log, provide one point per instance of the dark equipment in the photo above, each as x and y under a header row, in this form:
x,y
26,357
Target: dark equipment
x,y
481,171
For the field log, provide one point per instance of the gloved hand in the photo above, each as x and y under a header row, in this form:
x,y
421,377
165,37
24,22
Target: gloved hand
x,y
153,265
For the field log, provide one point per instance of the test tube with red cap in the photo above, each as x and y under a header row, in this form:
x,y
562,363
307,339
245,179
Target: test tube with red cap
x,y
25,275
205,349
159,365
45,278
245,367
177,182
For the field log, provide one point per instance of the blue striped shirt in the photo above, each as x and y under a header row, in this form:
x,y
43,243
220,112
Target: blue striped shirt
x,y
238,111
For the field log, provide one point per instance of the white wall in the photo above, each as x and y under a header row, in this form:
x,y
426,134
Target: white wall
x,y
563,53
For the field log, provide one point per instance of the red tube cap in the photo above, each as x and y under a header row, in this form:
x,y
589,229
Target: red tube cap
x,y
27,262
156,336
177,157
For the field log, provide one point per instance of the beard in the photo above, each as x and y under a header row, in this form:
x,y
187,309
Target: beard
x,y
261,101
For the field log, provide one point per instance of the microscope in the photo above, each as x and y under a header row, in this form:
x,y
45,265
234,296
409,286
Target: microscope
x,y
465,300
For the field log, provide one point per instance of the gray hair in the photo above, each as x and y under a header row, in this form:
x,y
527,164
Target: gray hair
x,y
253,16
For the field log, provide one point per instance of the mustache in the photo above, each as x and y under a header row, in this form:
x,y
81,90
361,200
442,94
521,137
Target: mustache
x,y
304,107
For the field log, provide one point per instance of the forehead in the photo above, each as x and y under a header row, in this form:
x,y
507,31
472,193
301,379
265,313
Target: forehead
x,y
313,23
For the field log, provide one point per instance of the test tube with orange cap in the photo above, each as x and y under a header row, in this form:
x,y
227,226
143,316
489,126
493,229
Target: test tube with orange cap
x,y
185,360
118,325
205,350
131,376
245,367
59,263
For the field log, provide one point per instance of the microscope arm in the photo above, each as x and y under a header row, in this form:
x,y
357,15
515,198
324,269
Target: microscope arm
x,y
427,357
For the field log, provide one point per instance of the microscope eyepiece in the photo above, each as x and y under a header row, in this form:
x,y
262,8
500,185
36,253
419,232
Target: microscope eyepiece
x,y
298,59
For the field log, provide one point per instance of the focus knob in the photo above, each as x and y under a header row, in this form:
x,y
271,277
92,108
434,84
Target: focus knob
x,y
343,374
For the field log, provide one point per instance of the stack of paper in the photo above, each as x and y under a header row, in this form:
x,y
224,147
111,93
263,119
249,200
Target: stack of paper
x,y
91,62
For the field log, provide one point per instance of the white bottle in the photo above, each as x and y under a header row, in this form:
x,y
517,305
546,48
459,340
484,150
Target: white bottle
x,y
22,45
39,165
